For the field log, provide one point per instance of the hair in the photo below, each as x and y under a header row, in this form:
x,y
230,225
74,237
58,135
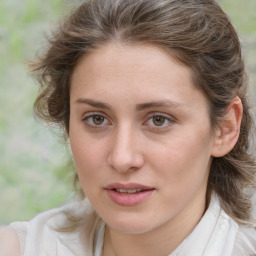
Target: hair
x,y
197,33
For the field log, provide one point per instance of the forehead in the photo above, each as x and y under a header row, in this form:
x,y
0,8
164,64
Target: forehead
x,y
119,59
127,54
138,71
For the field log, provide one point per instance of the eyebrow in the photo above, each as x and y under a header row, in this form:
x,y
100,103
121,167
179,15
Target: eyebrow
x,y
94,103
139,107
158,104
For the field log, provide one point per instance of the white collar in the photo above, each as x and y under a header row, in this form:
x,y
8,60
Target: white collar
x,y
213,236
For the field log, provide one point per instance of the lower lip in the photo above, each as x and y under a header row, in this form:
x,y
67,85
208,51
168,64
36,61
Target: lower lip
x,y
125,199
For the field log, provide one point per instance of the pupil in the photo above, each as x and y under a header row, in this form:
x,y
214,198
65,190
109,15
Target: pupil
x,y
158,120
98,120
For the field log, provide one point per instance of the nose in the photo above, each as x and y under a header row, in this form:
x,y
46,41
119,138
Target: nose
x,y
125,153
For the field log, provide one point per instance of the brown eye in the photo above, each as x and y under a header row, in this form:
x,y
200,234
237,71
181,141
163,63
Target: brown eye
x,y
159,120
98,120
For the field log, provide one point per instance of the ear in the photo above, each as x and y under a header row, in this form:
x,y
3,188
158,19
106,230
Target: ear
x,y
228,131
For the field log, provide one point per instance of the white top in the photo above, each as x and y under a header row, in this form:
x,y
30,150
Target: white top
x,y
76,230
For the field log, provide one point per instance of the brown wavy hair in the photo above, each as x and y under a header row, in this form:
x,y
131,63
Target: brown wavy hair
x,y
198,33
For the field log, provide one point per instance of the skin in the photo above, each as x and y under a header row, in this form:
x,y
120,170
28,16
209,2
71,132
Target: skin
x,y
9,242
121,141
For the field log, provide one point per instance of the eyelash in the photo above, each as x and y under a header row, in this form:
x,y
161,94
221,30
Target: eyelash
x,y
92,124
166,118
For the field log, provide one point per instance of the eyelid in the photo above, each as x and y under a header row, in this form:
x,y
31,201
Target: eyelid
x,y
168,117
92,113
87,115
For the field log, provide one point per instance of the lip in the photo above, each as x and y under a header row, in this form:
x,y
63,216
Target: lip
x,y
126,199
127,186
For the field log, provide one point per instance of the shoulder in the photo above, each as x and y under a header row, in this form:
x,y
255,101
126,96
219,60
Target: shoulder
x,y
55,232
245,242
9,242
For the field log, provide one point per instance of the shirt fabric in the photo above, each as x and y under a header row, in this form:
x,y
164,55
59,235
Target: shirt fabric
x,y
75,229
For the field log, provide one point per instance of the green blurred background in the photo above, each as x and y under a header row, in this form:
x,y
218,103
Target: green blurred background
x,y
35,173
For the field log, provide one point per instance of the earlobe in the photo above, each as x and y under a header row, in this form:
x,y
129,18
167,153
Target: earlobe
x,y
228,131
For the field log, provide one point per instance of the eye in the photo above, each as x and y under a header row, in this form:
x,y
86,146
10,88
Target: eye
x,y
159,120
96,120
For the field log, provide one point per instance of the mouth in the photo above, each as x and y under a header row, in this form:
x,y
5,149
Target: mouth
x,y
128,194
130,188
128,191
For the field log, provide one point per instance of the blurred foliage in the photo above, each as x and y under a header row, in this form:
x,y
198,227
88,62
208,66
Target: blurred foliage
x,y
34,169
242,14
35,173
243,17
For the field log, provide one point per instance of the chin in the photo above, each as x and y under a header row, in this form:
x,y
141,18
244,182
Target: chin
x,y
130,225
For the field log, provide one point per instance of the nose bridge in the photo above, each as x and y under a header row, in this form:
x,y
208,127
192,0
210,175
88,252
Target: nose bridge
x,y
125,153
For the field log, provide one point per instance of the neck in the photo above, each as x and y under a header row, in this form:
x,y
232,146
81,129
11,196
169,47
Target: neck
x,y
163,240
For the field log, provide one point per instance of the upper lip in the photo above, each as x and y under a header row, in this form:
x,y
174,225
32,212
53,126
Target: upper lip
x,y
128,186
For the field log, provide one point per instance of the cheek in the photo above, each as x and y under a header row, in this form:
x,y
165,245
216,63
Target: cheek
x,y
86,153
184,159
87,162
85,150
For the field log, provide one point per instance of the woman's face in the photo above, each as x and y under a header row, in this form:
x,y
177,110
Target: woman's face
x,y
141,137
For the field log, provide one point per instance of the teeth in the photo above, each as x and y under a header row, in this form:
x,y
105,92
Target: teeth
x,y
129,191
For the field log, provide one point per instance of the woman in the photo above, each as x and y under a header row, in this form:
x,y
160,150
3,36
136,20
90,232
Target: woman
x,y
152,98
